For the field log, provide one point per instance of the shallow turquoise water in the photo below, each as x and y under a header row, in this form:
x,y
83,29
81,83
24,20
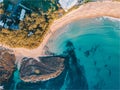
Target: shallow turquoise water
x,y
91,47
97,44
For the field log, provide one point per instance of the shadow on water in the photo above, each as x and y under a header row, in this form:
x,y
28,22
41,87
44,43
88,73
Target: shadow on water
x,y
76,75
71,78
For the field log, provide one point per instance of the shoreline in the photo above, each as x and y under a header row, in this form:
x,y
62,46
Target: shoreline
x,y
89,10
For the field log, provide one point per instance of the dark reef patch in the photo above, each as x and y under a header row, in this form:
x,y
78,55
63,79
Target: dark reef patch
x,y
92,51
75,71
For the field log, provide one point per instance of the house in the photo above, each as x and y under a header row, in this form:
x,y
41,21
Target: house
x,y
22,14
68,4
30,33
1,1
1,88
8,22
13,15
24,10
1,23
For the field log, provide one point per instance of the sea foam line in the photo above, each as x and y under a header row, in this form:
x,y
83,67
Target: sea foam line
x,y
111,18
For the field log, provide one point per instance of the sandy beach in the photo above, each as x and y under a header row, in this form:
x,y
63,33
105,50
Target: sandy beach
x,y
89,10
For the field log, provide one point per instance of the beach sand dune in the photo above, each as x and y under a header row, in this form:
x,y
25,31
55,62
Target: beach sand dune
x,y
89,10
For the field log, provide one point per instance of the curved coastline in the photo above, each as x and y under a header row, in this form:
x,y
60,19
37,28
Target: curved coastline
x,y
89,10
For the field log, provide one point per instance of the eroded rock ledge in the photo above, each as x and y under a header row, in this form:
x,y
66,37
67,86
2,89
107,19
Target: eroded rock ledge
x,y
32,70
7,64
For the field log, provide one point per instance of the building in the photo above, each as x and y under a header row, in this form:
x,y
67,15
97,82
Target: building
x,y
1,23
16,14
5,21
22,14
24,10
1,88
30,33
68,4
1,1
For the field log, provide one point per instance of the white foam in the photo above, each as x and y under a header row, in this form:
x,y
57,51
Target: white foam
x,y
111,18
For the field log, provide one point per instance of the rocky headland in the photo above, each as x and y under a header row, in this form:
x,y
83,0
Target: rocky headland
x,y
7,64
32,70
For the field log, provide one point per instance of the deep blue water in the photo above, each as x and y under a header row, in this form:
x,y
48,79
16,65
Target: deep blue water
x,y
92,51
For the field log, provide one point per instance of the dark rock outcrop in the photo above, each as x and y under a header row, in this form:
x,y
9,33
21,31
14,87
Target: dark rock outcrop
x,y
32,70
7,64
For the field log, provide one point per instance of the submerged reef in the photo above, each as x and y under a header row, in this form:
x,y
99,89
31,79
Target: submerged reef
x,y
32,70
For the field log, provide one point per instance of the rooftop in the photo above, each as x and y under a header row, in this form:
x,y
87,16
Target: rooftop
x,y
1,1
67,4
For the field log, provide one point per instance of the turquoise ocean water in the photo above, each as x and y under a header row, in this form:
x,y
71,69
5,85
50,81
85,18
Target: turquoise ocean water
x,y
92,51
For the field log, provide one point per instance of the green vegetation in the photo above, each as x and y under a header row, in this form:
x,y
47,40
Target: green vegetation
x,y
44,12
1,8
38,22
